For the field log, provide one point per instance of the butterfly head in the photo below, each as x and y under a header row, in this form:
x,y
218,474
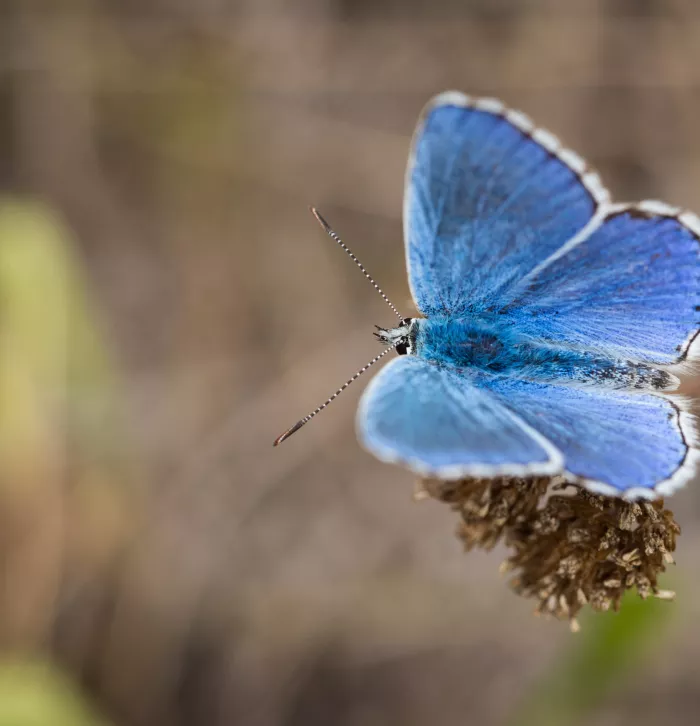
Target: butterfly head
x,y
402,338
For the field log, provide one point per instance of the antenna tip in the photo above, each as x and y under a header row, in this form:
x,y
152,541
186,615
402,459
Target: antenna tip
x,y
320,219
288,433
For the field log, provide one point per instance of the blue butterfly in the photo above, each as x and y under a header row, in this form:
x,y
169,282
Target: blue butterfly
x,y
555,322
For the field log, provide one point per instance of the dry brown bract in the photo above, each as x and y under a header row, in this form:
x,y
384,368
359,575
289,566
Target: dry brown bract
x,y
571,547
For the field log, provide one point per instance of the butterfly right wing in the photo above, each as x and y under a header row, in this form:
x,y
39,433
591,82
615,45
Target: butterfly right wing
x,y
435,421
629,290
487,199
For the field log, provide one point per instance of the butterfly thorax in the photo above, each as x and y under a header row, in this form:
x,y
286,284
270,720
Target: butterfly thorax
x,y
492,347
462,342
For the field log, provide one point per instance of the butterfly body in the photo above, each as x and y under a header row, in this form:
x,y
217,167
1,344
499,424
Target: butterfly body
x,y
485,346
554,324
494,346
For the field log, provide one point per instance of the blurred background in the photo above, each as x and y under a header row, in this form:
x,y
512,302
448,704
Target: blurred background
x,y
168,306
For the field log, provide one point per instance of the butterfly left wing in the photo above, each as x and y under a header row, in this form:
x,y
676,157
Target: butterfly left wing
x,y
487,198
614,443
435,421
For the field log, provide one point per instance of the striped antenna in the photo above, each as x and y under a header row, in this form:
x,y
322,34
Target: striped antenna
x,y
342,244
308,418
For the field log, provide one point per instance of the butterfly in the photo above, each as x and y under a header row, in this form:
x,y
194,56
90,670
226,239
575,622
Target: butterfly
x,y
553,324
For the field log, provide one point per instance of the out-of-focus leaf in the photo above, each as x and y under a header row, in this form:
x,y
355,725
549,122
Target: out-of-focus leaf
x,y
46,322
60,420
608,649
34,693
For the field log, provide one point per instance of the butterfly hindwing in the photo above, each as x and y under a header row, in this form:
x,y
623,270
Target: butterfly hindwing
x,y
487,199
631,289
613,442
434,420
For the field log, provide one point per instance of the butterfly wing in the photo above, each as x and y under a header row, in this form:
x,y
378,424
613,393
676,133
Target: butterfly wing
x,y
435,421
631,289
488,198
613,442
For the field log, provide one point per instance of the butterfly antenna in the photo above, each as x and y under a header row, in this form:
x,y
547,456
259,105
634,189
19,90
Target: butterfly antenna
x,y
342,244
308,418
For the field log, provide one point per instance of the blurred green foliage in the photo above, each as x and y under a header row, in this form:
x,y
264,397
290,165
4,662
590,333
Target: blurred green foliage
x,y
58,410
35,693
598,661
51,344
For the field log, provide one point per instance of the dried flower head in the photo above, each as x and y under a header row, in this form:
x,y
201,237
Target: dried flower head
x,y
570,547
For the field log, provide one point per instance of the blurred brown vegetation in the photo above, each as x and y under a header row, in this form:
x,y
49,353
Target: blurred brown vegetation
x,y
152,543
